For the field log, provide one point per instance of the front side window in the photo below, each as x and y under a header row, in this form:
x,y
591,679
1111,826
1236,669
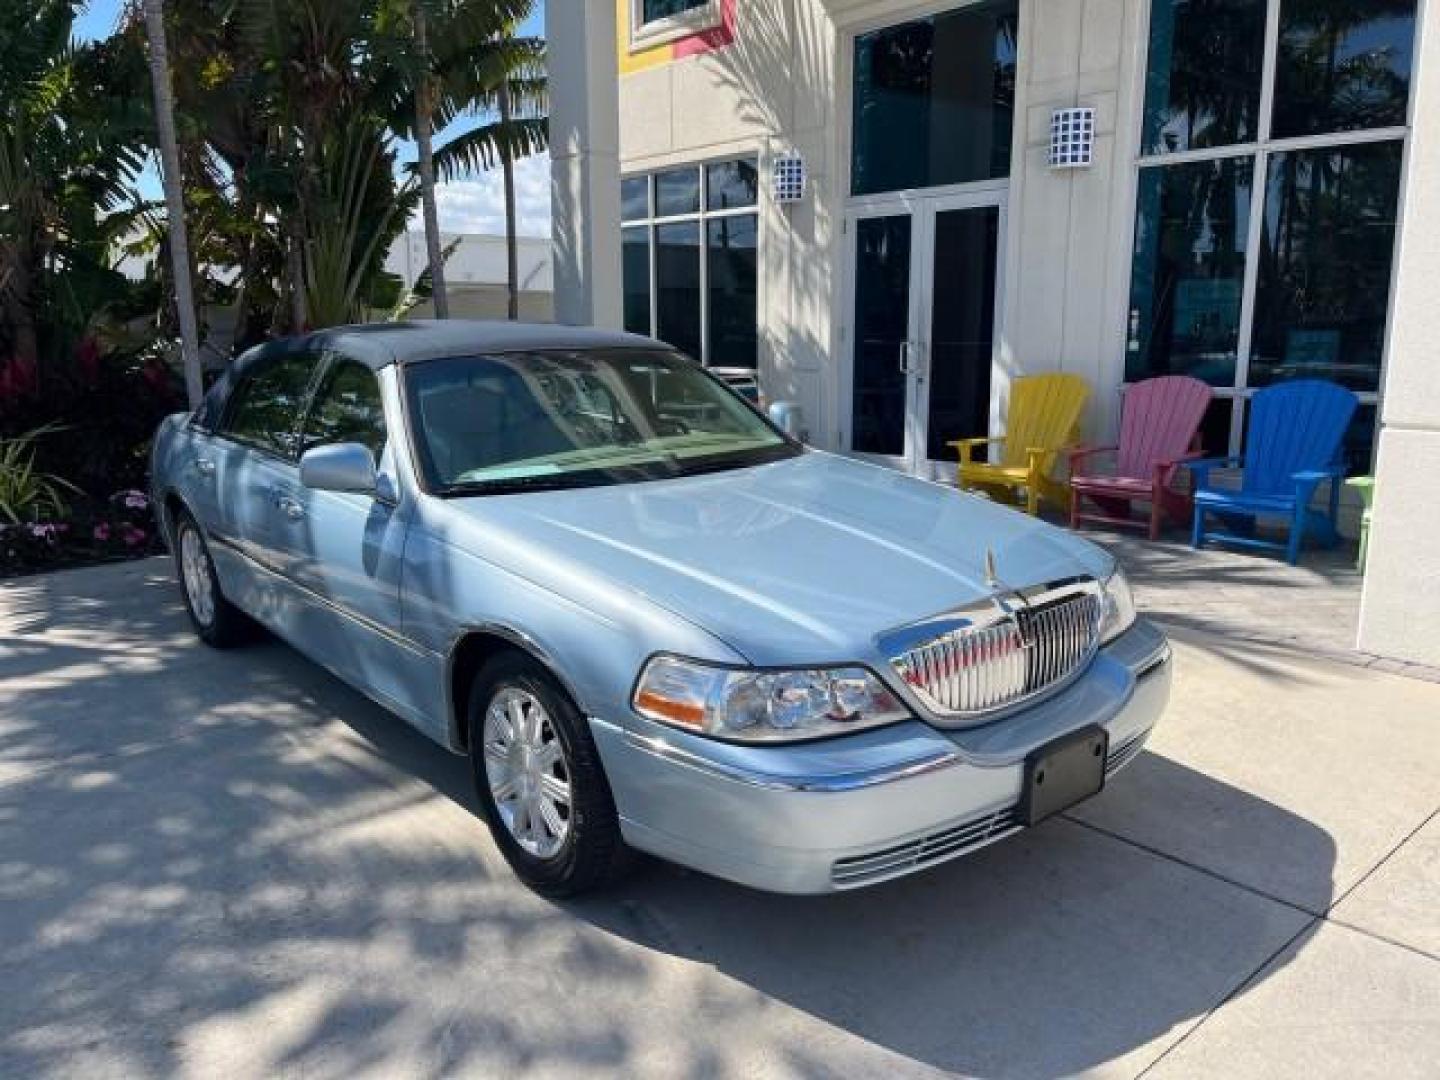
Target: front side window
x,y
1264,253
489,424
691,271
265,411
347,408
934,100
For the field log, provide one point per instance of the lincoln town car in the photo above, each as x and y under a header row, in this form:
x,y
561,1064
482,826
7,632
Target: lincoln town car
x,y
652,620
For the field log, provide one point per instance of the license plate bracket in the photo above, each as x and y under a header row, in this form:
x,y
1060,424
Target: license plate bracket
x,y
1063,772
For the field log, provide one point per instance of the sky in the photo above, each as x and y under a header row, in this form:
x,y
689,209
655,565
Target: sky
x,y
474,204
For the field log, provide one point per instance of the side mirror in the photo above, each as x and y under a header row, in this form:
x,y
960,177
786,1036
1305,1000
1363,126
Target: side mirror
x,y
339,467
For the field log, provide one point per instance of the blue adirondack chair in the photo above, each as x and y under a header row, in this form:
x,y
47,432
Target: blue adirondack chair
x,y
1292,446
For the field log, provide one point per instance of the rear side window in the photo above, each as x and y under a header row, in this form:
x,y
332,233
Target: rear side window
x,y
347,409
265,411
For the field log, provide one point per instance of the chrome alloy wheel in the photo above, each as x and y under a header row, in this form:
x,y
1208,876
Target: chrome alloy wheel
x,y
527,772
195,571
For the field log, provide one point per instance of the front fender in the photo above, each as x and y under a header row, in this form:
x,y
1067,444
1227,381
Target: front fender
x,y
592,635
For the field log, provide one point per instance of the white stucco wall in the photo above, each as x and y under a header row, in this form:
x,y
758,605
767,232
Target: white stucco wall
x,y
784,85
1400,613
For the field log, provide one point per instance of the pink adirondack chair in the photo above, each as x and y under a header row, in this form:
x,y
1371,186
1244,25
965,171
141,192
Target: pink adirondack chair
x,y
1159,422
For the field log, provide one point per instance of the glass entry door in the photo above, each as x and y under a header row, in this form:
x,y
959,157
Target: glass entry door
x,y
922,334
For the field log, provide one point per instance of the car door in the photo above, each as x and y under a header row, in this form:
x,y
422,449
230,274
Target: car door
x,y
344,550
252,459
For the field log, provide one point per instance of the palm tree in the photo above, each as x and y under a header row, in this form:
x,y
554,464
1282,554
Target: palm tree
x,y
483,67
424,111
174,200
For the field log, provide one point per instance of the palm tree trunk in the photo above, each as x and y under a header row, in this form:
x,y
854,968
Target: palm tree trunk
x,y
174,200
507,170
424,111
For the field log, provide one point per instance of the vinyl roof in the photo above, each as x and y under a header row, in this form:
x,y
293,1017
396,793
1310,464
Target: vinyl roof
x,y
383,344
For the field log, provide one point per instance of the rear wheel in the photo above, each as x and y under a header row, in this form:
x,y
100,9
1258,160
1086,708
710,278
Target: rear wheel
x,y
539,780
218,622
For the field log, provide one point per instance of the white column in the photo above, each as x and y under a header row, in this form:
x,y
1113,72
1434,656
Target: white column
x,y
1400,612
585,161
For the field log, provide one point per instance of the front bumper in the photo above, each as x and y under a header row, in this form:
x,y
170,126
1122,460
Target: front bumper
x,y
842,813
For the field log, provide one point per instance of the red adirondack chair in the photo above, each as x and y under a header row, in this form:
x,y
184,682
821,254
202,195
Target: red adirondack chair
x,y
1158,424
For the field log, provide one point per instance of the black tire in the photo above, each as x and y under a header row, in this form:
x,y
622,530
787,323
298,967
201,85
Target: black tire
x,y
592,853
226,626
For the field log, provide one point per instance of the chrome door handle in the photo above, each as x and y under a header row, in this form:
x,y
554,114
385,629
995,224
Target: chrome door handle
x,y
904,358
204,466
290,506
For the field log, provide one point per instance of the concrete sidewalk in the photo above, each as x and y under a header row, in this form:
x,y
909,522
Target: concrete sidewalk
x,y
228,864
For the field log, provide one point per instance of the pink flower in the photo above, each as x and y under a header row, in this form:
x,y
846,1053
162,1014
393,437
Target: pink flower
x,y
43,532
132,536
102,531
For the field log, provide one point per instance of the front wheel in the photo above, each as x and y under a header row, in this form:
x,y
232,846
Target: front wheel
x,y
218,622
539,780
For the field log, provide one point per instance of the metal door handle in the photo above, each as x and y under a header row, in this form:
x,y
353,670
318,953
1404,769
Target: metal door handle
x,y
907,350
204,466
290,506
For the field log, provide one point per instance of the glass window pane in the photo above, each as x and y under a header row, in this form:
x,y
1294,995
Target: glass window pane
x,y
962,344
634,198
731,184
677,192
1188,270
1359,442
1215,427
653,10
266,410
730,249
882,324
1325,259
635,277
934,100
677,285
1202,84
1342,67
348,409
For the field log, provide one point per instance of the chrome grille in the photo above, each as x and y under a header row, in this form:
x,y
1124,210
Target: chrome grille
x,y
976,668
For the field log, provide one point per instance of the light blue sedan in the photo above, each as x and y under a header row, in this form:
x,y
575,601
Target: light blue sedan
x,y
651,619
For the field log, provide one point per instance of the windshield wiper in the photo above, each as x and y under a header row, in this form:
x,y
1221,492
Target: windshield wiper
x,y
739,459
540,482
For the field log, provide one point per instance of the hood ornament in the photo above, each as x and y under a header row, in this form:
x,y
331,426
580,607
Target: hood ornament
x,y
992,578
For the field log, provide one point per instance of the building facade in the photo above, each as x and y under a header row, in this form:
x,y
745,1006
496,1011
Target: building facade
x,y
475,274
1113,188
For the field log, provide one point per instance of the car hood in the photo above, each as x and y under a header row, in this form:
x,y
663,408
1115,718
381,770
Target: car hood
x,y
805,560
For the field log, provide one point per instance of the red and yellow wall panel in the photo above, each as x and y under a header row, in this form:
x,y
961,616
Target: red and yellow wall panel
x,y
717,37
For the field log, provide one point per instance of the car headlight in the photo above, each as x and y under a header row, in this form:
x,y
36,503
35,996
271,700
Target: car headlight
x,y
763,706
1119,607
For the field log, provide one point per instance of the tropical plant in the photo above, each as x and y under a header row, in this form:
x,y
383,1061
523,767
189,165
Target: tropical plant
x,y
26,493
500,76
173,183
71,144
354,220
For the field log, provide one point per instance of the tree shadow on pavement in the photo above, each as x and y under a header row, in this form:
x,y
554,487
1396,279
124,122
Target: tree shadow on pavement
x,y
231,864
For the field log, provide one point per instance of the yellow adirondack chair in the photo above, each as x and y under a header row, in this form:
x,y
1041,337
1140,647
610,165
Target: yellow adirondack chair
x,y
1044,418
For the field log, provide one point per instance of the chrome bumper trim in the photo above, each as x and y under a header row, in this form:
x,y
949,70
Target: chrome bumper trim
x,y
834,782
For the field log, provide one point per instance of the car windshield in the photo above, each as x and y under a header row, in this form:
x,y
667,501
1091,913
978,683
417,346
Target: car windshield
x,y
524,421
